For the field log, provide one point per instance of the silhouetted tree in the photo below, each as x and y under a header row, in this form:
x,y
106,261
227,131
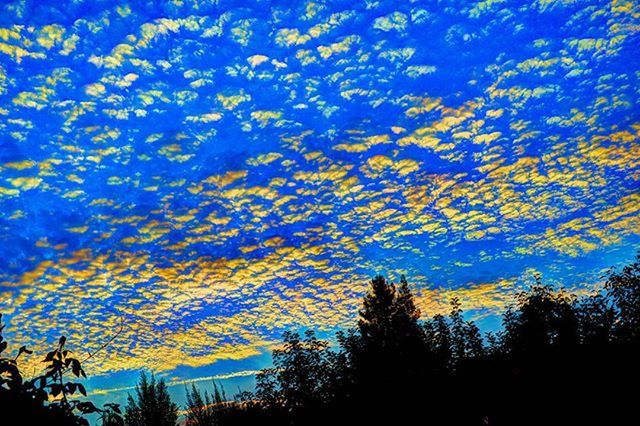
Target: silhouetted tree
x,y
466,340
301,381
48,398
389,337
597,319
624,289
152,405
543,319
439,341
387,353
207,409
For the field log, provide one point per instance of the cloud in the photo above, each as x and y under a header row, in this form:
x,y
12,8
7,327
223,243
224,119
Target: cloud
x,y
216,177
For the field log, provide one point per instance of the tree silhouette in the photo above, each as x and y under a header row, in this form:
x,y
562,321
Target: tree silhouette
x,y
543,319
48,398
624,290
301,381
558,360
152,404
597,320
439,341
466,340
204,409
386,355
389,337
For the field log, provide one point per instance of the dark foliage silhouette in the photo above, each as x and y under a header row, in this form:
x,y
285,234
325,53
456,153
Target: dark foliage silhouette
x,y
385,354
624,290
48,398
204,409
559,360
152,404
303,380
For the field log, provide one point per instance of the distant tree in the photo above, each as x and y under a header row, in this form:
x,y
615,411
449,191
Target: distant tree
x,y
111,415
152,405
204,409
474,344
466,340
493,348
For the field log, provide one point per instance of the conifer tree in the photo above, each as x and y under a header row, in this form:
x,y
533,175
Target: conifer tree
x,y
152,405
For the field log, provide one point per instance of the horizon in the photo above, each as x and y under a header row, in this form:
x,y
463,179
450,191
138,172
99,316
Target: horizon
x,y
212,174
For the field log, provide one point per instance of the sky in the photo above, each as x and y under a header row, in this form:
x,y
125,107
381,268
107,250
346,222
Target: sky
x,y
208,174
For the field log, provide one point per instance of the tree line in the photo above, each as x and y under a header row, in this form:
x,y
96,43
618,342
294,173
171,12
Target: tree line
x,y
557,360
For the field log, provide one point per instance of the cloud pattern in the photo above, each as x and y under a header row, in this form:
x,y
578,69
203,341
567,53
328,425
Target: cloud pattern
x,y
212,173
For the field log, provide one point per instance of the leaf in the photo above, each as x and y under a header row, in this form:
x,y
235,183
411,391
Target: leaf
x,y
24,349
62,341
56,389
71,387
75,367
86,407
3,346
81,389
10,371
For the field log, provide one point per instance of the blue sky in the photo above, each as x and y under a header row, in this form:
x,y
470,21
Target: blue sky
x,y
212,173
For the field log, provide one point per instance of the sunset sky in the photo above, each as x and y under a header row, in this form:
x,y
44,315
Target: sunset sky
x,y
213,173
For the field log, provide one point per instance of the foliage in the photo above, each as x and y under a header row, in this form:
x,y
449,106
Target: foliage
x,y
393,368
624,291
300,382
207,409
389,342
48,398
556,355
152,404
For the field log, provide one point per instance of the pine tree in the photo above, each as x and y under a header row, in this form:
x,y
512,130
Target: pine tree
x,y
388,323
386,355
207,409
152,405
